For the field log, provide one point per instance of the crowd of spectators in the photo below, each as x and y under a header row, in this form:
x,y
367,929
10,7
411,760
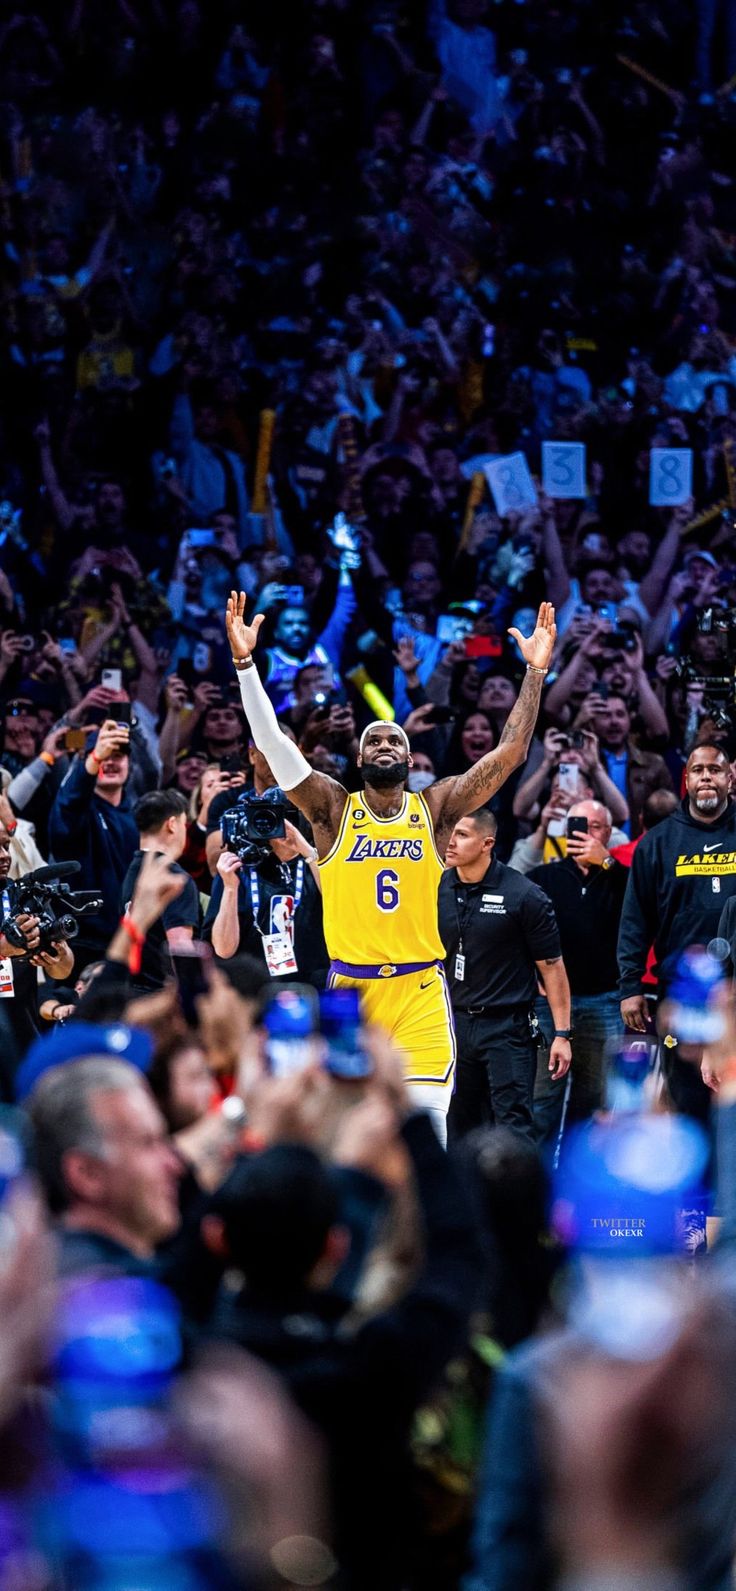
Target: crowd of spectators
x,y
278,282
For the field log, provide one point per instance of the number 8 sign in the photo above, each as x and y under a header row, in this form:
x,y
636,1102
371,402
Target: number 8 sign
x,y
563,469
511,484
670,476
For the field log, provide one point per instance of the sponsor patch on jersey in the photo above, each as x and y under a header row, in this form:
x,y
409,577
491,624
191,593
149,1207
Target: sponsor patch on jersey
x,y
366,849
413,817
704,864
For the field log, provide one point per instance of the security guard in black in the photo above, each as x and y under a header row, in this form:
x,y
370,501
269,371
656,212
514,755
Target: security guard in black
x,y
495,931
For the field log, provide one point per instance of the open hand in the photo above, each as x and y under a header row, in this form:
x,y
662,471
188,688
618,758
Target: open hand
x,y
242,636
537,648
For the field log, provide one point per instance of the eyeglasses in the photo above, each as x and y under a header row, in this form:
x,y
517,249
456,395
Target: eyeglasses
x,y
20,710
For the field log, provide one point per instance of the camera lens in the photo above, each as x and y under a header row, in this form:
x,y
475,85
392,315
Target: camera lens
x,y
263,824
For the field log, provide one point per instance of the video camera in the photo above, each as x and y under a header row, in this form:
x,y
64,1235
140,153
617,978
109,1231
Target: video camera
x,y
56,906
249,827
719,698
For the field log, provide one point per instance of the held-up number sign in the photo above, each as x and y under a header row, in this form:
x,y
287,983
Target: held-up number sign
x,y
563,469
511,484
670,476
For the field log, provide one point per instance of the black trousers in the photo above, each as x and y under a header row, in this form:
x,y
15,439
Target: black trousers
x,y
496,1067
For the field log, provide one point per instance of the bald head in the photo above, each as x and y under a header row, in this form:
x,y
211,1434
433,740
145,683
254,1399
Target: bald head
x,y
708,782
599,819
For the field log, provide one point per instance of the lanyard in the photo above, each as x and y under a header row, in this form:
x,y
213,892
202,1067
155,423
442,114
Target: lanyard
x,y
462,921
255,892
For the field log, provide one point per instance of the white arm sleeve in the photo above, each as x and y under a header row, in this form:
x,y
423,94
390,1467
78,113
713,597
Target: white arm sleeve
x,y
285,760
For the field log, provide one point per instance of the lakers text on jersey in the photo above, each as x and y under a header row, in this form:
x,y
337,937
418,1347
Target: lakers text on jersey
x,y
379,886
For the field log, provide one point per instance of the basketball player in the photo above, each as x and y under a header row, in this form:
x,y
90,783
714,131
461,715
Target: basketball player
x,y
380,856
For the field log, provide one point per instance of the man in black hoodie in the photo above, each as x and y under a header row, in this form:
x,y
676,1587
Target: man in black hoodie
x,y
682,874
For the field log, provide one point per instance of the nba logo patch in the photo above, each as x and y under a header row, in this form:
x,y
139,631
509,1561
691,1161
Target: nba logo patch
x,y
716,886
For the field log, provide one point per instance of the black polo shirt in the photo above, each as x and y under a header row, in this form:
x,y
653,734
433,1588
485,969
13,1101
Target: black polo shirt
x,y
184,912
506,925
588,911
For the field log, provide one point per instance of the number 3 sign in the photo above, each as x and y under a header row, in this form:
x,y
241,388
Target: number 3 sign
x,y
511,484
670,476
563,469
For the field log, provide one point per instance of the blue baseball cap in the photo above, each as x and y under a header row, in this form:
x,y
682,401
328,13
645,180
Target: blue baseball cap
x,y
73,1041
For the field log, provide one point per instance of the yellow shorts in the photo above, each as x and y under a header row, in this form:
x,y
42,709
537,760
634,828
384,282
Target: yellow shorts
x,y
414,1008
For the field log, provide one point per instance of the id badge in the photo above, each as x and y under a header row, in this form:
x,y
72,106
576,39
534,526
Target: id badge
x,y
279,953
460,967
7,987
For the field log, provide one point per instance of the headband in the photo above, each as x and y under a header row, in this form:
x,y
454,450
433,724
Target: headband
x,y
384,723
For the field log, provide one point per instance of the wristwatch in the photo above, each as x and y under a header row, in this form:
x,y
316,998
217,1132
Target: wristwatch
x,y
607,863
563,1033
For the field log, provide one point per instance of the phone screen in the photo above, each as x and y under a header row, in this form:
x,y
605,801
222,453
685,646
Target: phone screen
x,y
568,775
346,1059
112,679
483,646
291,1021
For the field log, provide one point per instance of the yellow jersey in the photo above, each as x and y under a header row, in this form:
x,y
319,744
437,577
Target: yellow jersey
x,y
379,886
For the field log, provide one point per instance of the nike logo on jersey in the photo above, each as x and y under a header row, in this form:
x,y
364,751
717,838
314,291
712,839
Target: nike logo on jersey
x,y
427,984
364,849
714,847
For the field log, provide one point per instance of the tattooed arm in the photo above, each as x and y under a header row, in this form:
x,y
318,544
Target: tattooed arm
x,y
450,798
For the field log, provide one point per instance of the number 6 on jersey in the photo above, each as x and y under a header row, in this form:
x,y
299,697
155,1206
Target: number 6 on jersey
x,y
387,894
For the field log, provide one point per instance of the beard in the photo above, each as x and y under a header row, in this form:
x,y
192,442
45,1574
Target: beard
x,y
707,803
385,775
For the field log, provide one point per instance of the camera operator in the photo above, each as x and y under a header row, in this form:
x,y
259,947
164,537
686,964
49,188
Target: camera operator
x,y
162,824
266,898
587,892
92,822
18,974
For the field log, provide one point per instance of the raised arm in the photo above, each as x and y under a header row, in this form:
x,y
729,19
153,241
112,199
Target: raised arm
x,y
451,798
320,798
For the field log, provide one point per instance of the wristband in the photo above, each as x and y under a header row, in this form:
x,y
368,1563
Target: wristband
x,y
95,758
563,1033
138,939
531,668
45,756
243,662
10,828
